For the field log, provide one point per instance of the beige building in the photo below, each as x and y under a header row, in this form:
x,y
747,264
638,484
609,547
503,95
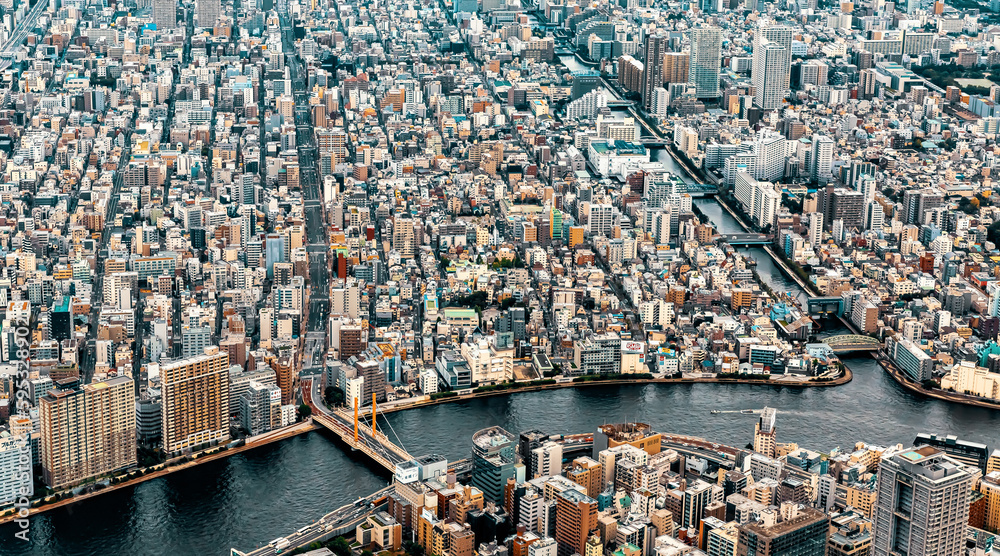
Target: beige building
x,y
966,378
990,487
195,401
765,433
379,532
676,67
87,431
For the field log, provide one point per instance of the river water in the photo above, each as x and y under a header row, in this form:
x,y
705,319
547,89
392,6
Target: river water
x,y
248,499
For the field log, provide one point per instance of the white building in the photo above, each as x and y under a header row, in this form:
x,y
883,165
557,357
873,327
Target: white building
x,y
815,228
15,468
428,382
587,106
547,460
760,199
488,362
821,158
769,72
610,158
601,219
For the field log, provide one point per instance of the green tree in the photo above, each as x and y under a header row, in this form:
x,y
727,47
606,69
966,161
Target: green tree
x,y
413,549
340,547
305,411
334,396
993,233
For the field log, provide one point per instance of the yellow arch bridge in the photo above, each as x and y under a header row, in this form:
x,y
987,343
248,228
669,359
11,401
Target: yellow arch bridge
x,y
848,343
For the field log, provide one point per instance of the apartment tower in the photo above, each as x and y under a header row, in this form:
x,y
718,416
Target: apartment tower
x,y
195,409
87,430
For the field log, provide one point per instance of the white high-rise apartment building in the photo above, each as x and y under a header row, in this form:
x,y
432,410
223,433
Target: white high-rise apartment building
x,y
821,158
770,151
815,228
164,14
769,73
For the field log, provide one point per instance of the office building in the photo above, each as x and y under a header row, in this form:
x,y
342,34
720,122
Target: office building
x,y
676,67
972,454
274,252
990,489
403,237
589,474
850,535
576,517
922,505
696,497
705,61
494,461
722,540
780,35
195,393
547,460
911,359
820,161
795,529
87,430
637,435
815,228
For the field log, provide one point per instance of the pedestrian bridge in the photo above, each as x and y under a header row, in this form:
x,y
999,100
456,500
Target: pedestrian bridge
x,y
849,343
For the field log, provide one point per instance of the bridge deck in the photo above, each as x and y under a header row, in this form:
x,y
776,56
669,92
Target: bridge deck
x,y
387,454
844,343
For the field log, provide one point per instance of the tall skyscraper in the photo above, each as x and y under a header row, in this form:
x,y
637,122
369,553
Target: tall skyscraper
x,y
164,14
796,530
87,430
781,35
874,216
195,408
208,12
705,61
576,517
769,73
652,75
922,505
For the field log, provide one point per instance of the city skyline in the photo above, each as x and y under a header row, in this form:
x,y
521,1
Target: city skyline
x,y
546,278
